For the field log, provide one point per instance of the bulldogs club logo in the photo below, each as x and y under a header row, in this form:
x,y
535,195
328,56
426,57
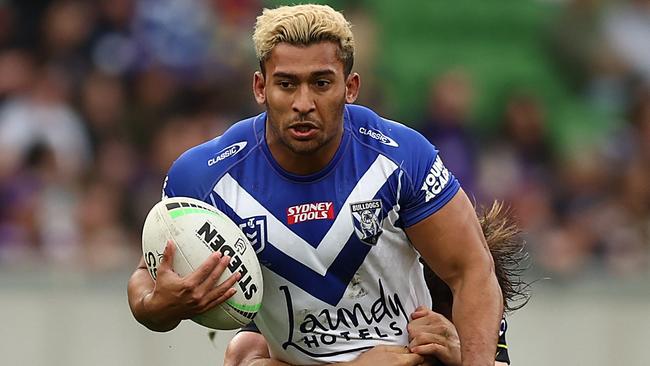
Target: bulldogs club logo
x,y
255,230
366,217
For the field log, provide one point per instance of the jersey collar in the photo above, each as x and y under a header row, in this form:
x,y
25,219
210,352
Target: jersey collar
x,y
260,129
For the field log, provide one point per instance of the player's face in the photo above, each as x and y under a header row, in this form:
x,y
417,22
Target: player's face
x,y
304,92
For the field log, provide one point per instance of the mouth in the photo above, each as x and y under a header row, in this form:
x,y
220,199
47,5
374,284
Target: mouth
x,y
303,130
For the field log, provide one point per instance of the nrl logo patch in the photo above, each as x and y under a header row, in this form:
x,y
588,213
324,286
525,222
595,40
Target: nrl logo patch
x,y
255,230
366,217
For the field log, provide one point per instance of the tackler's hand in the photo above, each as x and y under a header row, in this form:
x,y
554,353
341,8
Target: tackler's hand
x,y
431,334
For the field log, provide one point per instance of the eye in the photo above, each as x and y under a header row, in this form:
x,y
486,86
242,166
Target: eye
x,y
285,84
322,83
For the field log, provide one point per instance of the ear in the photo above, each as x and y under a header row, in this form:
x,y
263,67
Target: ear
x,y
259,85
352,85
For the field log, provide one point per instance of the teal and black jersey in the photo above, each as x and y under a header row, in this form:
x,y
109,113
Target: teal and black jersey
x,y
502,346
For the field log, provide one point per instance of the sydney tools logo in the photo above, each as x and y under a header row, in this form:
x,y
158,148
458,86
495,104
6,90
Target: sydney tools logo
x,y
310,211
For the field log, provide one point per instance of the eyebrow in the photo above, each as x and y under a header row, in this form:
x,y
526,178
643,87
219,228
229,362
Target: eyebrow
x,y
317,73
326,72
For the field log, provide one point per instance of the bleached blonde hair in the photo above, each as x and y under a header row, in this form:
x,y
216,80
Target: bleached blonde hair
x,y
303,25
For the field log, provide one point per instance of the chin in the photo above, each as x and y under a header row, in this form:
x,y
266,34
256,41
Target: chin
x,y
304,147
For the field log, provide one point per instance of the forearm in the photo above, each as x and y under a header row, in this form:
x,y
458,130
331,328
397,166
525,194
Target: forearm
x,y
140,289
266,362
477,311
272,362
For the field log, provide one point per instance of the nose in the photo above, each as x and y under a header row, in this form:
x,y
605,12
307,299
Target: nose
x,y
303,101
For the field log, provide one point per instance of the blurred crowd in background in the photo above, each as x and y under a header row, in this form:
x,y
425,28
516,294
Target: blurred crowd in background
x,y
98,98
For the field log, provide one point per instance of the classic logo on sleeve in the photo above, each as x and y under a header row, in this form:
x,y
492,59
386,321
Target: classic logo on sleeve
x,y
227,152
436,180
310,211
366,217
378,135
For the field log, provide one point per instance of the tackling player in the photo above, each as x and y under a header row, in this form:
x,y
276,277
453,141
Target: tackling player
x,y
340,203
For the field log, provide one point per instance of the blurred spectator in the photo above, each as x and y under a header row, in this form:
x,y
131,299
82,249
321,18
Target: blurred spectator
x,y
448,128
626,234
113,50
17,71
517,167
66,31
20,202
24,22
627,28
106,241
182,46
520,158
103,104
44,116
587,59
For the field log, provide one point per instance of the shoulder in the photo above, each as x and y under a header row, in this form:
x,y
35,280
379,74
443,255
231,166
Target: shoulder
x,y
391,138
403,145
197,169
429,185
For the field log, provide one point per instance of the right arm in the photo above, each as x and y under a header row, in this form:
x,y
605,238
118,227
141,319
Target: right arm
x,y
250,349
160,305
140,289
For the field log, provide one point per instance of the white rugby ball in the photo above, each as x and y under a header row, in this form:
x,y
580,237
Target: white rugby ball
x,y
199,229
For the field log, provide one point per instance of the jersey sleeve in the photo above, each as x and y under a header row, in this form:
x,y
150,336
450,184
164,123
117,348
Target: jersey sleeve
x,y
189,175
195,172
429,184
502,346
250,327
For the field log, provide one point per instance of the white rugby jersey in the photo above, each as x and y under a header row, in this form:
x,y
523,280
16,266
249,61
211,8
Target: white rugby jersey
x,y
340,275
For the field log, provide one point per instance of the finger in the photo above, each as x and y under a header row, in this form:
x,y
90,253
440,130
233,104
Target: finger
x,y
427,338
168,256
431,318
200,274
392,349
420,312
430,349
219,300
223,287
425,320
411,359
414,329
442,331
211,280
